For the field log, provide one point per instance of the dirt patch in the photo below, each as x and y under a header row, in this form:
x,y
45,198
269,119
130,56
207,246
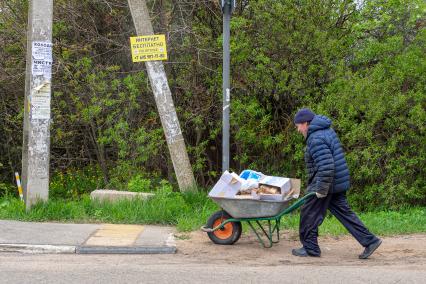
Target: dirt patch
x,y
406,250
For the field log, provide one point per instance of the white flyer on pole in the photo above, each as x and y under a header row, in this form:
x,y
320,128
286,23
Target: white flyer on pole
x,y
42,59
40,107
40,101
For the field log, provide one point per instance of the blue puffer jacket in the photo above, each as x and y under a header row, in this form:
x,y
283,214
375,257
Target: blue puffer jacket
x,y
325,159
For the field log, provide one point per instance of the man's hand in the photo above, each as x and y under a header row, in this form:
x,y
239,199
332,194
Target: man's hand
x,y
319,195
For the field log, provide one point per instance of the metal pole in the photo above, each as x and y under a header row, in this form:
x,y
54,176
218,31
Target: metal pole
x,y
226,88
36,137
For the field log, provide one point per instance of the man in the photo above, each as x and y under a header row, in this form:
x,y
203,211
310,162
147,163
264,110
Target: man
x,y
328,177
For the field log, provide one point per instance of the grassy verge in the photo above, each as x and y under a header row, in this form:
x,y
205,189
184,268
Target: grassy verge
x,y
185,211
188,212
407,221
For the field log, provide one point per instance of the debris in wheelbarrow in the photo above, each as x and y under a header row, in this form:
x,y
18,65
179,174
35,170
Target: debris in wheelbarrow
x,y
251,181
252,207
228,185
252,185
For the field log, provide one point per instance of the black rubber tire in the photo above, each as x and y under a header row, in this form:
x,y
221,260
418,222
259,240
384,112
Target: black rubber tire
x,y
236,229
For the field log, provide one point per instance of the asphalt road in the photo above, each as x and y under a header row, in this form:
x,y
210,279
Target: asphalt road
x,y
25,268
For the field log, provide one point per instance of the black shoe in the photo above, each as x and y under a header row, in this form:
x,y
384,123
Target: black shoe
x,y
370,249
300,252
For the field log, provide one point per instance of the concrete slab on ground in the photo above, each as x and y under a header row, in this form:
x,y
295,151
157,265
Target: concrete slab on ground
x,y
116,195
156,235
35,233
114,235
129,239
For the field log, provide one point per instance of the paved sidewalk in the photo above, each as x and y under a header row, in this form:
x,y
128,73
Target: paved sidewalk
x,y
35,237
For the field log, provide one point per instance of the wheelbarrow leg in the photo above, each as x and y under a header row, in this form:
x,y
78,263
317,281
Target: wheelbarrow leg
x,y
276,228
258,236
268,236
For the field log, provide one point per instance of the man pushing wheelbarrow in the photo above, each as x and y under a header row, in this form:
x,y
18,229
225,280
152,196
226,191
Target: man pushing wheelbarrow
x,y
328,177
328,181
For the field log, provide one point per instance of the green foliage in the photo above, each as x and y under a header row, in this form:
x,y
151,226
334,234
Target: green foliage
x,y
285,53
8,189
380,111
365,68
139,184
73,183
360,62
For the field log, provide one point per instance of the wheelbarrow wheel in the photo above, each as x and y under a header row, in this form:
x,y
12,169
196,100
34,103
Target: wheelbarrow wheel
x,y
228,234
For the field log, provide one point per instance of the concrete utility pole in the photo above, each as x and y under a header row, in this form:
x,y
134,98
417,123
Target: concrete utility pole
x,y
227,7
164,101
36,138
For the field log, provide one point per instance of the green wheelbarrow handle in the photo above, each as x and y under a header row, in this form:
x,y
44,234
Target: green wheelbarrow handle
x,y
296,205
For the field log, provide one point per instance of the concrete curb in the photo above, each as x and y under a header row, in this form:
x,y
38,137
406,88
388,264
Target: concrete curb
x,y
27,248
56,249
51,249
124,250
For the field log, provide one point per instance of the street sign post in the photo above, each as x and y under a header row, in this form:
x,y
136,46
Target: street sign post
x,y
228,6
231,3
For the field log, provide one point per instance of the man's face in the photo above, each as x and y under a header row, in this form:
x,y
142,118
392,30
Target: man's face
x,y
302,128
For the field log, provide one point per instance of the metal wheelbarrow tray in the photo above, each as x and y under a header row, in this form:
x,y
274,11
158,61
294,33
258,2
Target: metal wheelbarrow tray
x,y
251,208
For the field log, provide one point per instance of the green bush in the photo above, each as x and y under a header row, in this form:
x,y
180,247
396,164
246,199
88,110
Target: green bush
x,y
139,184
8,189
380,112
366,73
73,183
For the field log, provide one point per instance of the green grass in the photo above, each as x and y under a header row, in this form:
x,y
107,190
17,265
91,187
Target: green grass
x,y
190,211
407,221
186,211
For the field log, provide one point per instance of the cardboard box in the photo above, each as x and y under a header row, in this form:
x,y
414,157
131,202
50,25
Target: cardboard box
x,y
290,188
228,185
281,183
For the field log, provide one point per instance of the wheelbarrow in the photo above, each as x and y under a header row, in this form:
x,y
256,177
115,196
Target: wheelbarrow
x,y
224,226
